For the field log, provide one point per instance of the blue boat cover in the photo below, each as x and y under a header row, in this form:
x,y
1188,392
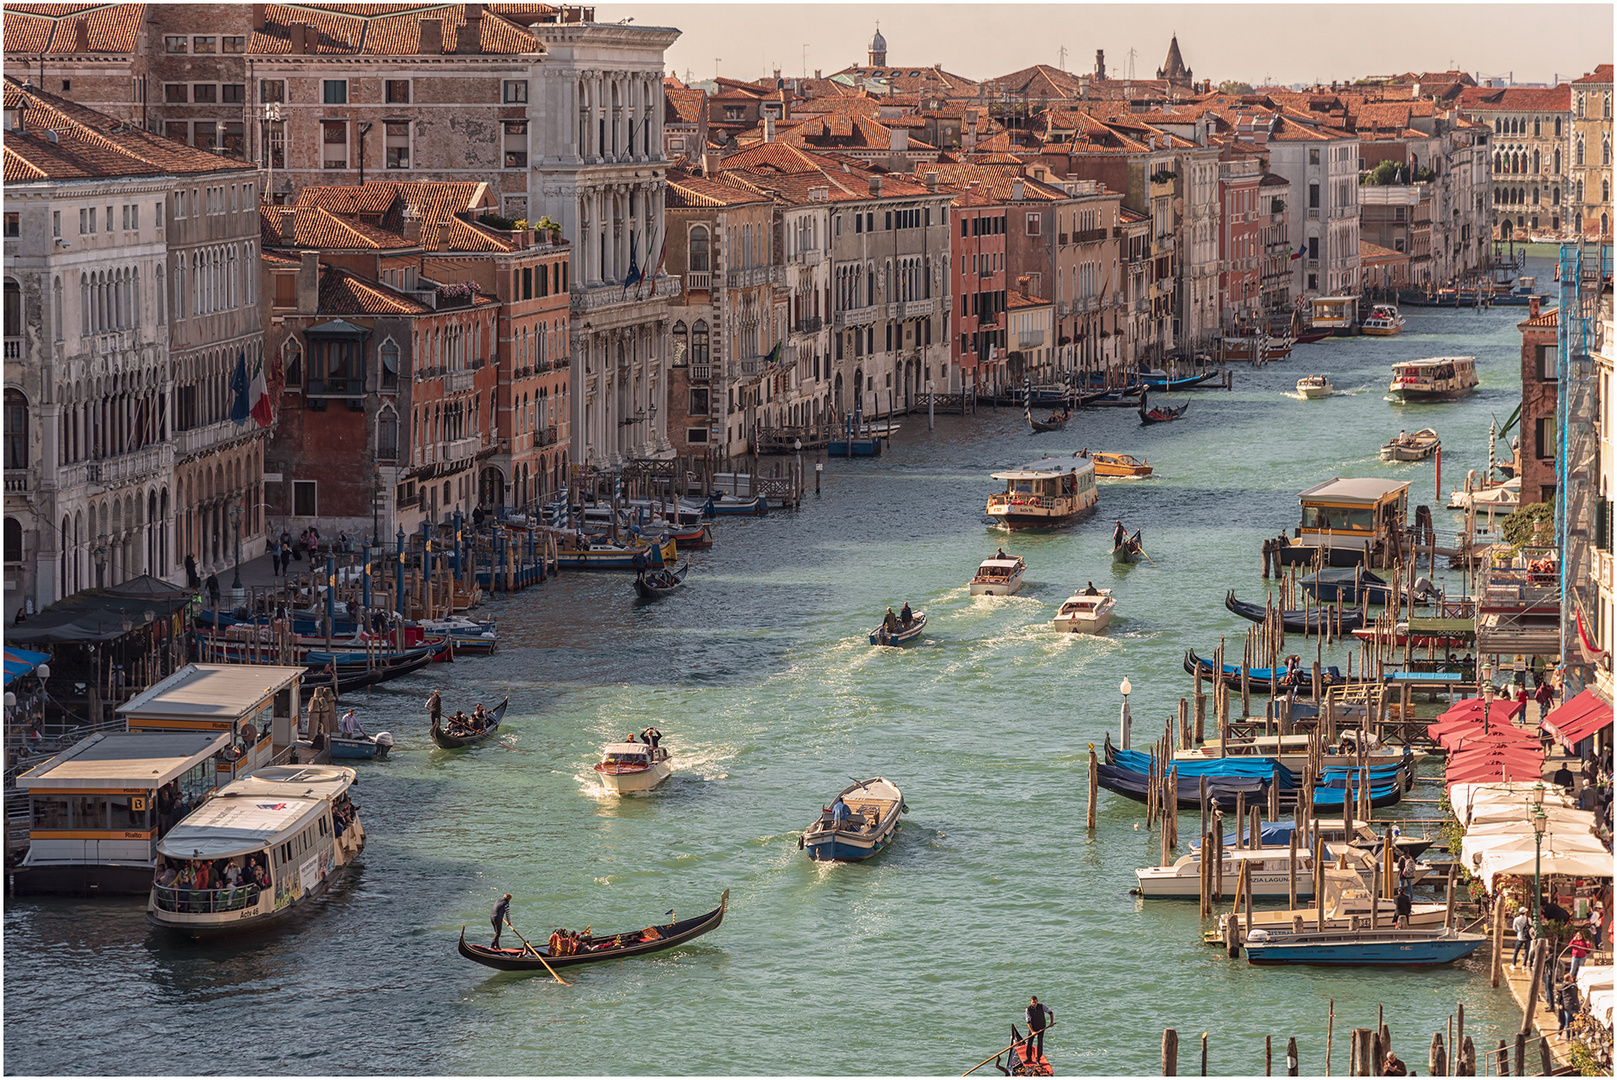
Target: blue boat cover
x,y
1267,769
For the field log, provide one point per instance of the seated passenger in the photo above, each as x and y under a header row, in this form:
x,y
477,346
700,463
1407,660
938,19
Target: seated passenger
x,y
906,616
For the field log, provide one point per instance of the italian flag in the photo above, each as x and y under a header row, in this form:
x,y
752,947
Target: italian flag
x,y
258,399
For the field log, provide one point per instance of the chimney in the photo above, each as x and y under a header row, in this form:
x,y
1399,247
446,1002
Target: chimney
x,y
81,36
875,185
816,73
1100,63
1415,92
432,37
1532,307
707,163
1018,188
470,39
769,129
258,16
309,283
1022,283
932,181
303,38
898,140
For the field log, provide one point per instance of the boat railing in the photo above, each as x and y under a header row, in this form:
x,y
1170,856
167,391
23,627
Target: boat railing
x,y
180,899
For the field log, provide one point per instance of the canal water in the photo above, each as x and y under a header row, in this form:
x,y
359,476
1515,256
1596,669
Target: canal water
x,y
759,674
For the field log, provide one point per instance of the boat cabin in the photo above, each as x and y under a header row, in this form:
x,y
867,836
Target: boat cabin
x,y
1347,518
630,756
256,851
255,705
1434,378
97,811
1333,312
1048,492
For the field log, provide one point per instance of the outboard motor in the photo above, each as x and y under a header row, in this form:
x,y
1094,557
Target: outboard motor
x,y
1424,589
384,743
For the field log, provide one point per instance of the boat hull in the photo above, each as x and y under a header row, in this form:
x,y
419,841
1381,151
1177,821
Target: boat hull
x,y
997,588
251,923
356,749
1083,625
539,960
1408,395
1366,953
638,780
904,636
1040,520
842,849
83,879
1314,393
1265,883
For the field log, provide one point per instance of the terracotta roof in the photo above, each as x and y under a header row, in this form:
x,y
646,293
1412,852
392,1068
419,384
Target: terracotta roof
x,y
393,29
1369,251
1550,318
682,106
694,191
55,28
317,227
907,80
1516,98
1038,81
456,234
62,140
346,293
1014,300
995,181
1600,76
391,202
278,258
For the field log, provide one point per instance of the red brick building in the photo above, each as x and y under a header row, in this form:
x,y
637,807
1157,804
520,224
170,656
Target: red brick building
x,y
1539,386
1240,239
977,284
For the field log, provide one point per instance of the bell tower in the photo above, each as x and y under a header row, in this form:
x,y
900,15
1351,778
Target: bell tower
x,y
878,49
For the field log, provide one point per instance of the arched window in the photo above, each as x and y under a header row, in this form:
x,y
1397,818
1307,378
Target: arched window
x,y
1535,161
679,349
1557,127
1605,151
1577,152
387,434
390,365
699,349
13,541
698,249
1556,167
16,423
292,363
1605,191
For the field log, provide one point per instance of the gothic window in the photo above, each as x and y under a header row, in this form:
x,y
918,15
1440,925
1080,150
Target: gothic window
x,y
699,344
680,347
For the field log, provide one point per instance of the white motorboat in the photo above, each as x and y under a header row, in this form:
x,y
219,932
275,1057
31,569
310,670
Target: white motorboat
x,y
1314,386
1085,612
1406,447
1271,871
999,576
633,766
1501,498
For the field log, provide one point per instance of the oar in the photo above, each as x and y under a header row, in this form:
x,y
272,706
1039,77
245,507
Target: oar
x,y
1148,558
537,953
1013,1046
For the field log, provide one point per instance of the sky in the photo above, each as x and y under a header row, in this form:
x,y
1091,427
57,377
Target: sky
x,y
1280,43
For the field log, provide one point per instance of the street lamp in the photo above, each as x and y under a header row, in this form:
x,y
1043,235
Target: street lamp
x,y
1487,696
1540,821
1125,688
235,525
797,446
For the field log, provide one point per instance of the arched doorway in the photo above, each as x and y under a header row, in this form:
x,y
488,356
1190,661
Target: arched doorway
x,y
491,488
836,394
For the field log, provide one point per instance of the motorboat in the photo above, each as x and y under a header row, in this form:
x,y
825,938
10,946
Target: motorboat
x,y
902,634
1392,947
871,821
1501,498
1346,517
1347,906
1053,491
999,576
352,742
1384,321
633,766
1437,378
289,831
1314,386
1085,612
1406,447
1127,465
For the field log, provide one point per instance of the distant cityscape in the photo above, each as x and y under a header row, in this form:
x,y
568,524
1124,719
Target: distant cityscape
x,y
320,266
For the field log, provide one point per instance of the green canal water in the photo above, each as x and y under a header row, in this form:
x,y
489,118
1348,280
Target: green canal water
x,y
760,676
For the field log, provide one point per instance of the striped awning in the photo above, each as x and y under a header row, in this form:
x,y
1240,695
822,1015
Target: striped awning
x,y
20,662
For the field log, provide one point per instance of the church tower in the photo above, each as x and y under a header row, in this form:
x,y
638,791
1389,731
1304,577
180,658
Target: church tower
x,y
1173,69
878,49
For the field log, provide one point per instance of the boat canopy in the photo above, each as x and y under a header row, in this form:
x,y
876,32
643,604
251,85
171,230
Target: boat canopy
x,y
1367,491
1000,564
235,824
626,749
1047,469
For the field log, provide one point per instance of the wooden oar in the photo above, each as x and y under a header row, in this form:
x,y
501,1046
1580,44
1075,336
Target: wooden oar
x,y
1148,558
537,953
1013,1046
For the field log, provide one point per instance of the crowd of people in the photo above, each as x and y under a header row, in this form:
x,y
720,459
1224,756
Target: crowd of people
x,y
209,885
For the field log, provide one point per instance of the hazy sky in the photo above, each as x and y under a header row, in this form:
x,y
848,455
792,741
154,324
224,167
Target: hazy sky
x,y
1284,43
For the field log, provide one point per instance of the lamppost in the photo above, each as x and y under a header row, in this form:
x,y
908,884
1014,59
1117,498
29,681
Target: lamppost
x,y
1540,821
797,445
235,527
1126,688
101,561
1487,696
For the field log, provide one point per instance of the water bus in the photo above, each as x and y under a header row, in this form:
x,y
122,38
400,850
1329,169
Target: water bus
x,y
1053,491
1346,518
258,852
1436,378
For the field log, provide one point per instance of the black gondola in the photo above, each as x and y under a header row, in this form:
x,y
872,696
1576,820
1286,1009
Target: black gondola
x,y
1258,678
1129,551
1222,791
610,947
651,584
355,677
448,741
1149,415
1054,422
1297,620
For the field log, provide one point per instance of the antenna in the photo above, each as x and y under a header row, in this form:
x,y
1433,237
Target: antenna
x,y
1062,63
805,60
1132,55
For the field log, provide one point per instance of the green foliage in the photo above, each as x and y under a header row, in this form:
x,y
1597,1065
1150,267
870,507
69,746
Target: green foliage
x,y
495,221
1385,172
1231,86
1584,1061
1531,524
1425,176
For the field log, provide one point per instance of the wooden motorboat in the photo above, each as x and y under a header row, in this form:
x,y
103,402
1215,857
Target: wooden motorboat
x,y
1314,386
1298,620
1436,378
351,741
1405,447
999,576
651,584
453,738
1374,948
1107,464
1384,321
1159,415
599,947
633,766
1085,612
870,824
1053,422
906,632
1050,492
1129,551
600,554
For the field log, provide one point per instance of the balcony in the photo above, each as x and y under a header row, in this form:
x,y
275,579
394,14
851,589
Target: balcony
x,y
200,439
855,317
545,436
16,481
701,372
757,275
611,294
340,386
13,349
1089,236
811,325
915,309
810,257
462,449
458,382
698,281
145,463
1064,239
1063,309
1030,341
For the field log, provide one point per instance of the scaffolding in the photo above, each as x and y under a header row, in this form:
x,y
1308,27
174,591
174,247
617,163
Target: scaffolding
x,y
1583,272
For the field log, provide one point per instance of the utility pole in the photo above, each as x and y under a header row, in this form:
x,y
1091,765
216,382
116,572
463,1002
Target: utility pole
x,y
1062,53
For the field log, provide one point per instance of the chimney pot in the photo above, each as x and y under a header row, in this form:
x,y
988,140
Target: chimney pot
x,y
432,36
1017,189
875,185
932,181
81,36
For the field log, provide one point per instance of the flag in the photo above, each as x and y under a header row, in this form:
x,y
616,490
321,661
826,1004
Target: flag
x,y
238,387
634,276
1299,253
258,399
774,355
662,256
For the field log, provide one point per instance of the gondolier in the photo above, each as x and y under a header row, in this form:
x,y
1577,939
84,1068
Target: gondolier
x,y
502,910
435,707
1119,534
1038,1018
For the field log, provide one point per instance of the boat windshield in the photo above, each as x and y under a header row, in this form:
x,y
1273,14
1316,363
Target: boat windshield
x,y
626,759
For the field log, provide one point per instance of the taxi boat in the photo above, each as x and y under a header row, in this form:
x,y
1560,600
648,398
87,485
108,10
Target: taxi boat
x,y
1085,612
999,576
1436,378
1052,491
1406,447
1384,321
291,831
1314,387
633,766
1120,465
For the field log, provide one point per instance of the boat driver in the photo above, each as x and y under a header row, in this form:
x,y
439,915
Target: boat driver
x,y
906,616
890,623
1091,590
839,812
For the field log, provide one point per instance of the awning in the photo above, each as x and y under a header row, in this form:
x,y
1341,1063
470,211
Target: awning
x,y
20,662
100,615
1576,720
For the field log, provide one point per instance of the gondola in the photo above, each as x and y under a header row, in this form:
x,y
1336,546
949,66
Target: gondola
x,y
1258,678
357,677
1129,551
1160,380
612,946
654,583
1159,416
1054,422
1222,791
1298,620
447,741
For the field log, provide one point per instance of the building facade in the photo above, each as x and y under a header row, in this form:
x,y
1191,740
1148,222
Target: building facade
x,y
1591,174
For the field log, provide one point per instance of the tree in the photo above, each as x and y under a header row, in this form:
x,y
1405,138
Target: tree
x,y
1234,88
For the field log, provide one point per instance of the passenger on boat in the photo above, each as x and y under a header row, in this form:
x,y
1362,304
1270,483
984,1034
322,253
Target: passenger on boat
x,y
839,812
906,616
479,717
652,736
630,737
1091,590
555,942
1403,904
890,623
500,917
